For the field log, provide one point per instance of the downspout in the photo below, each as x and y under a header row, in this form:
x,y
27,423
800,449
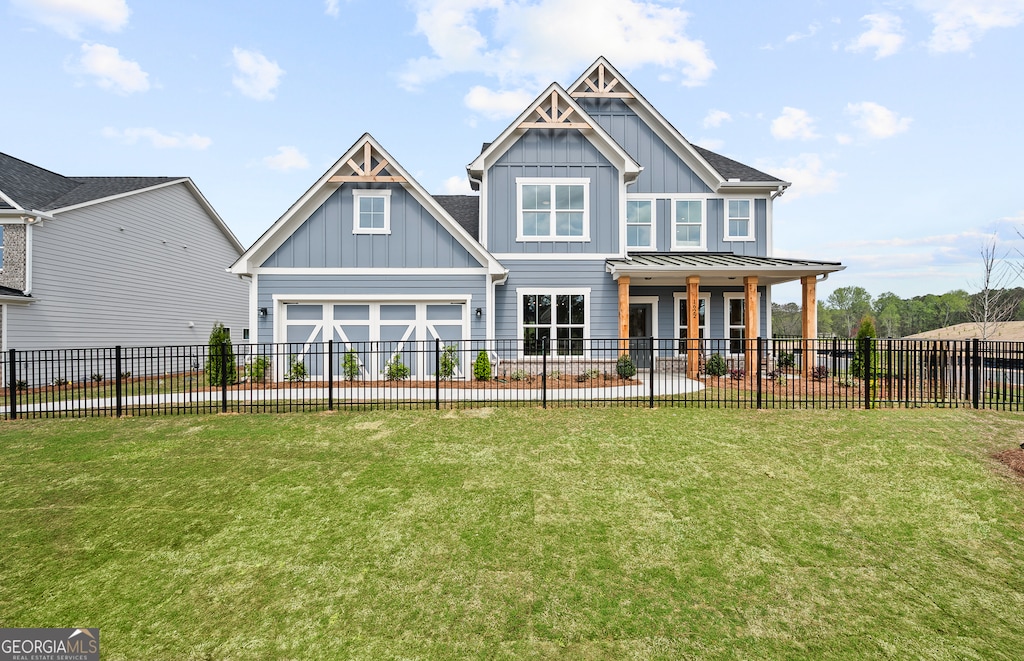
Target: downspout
x,y
778,192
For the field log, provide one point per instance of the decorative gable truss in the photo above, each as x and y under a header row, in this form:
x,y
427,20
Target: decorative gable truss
x,y
555,112
601,82
368,165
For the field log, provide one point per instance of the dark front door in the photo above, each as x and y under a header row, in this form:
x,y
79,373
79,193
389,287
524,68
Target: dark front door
x,y
640,333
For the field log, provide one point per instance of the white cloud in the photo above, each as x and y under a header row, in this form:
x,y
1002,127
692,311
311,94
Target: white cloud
x,y
527,44
844,139
257,77
715,118
793,123
812,30
112,72
884,36
456,185
286,158
807,173
157,139
497,105
877,121
959,23
71,17
331,8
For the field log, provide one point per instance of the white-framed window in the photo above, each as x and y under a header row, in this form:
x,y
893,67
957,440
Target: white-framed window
x,y
641,224
553,209
683,319
735,320
739,219
688,220
553,319
371,211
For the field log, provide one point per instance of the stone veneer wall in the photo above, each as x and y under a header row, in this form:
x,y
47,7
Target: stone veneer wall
x,y
13,273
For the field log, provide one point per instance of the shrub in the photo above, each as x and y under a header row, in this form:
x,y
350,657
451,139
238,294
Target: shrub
x,y
449,362
482,367
519,375
296,370
859,366
396,370
220,357
625,367
60,381
786,360
819,372
256,370
737,374
716,366
97,377
350,365
555,374
21,384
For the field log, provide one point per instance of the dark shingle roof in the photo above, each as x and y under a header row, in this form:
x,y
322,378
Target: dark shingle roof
x,y
7,291
465,209
731,169
32,187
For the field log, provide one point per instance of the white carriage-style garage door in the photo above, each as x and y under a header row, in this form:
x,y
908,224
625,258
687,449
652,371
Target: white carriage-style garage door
x,y
374,330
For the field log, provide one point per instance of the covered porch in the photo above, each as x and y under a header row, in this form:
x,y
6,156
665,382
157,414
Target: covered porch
x,y
735,281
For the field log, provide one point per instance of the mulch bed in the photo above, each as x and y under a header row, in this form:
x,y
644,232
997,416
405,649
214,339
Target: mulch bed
x,y
1013,458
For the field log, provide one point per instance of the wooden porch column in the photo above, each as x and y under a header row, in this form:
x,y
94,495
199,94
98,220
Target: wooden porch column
x,y
692,326
751,329
809,325
623,314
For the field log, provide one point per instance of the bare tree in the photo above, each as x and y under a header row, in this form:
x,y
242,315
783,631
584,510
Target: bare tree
x,y
992,305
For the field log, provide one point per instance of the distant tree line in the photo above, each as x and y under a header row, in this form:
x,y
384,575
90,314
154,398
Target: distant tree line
x,y
840,314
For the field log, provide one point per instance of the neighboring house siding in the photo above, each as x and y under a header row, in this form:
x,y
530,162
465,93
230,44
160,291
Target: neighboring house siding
x,y
548,274
332,287
326,239
130,271
547,153
13,268
664,171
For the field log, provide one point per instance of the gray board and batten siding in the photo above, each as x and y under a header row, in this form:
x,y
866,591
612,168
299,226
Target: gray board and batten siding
x,y
544,153
132,271
326,239
664,172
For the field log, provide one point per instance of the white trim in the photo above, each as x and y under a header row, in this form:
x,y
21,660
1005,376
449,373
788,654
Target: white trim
x,y
703,199
14,220
677,320
768,308
751,220
557,257
438,271
370,298
10,202
357,195
5,321
552,182
254,309
553,292
29,231
741,295
653,300
638,197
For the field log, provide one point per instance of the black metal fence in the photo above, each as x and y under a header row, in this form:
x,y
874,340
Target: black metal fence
x,y
648,372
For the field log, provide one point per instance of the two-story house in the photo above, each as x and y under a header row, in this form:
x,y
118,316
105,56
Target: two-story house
x,y
596,218
101,261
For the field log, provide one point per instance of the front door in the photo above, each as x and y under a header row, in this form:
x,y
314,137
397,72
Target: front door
x,y
640,332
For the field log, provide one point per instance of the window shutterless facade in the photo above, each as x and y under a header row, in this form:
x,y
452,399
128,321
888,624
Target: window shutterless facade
x,y
688,231
553,320
739,220
640,224
553,209
371,211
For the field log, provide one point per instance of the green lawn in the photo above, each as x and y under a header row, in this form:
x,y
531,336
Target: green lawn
x,y
502,533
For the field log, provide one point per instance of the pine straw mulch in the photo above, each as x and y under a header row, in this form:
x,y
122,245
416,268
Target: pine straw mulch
x,y
1014,458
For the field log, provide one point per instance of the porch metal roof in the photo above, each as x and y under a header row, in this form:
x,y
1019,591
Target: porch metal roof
x,y
716,268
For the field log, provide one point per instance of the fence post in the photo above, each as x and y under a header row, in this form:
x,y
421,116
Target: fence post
x,y
651,356
544,377
437,374
866,373
12,385
223,378
330,374
975,373
117,380
760,358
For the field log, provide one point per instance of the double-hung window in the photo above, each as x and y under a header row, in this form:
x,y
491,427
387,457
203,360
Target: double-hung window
x,y
555,321
688,225
371,211
553,209
683,317
640,224
739,220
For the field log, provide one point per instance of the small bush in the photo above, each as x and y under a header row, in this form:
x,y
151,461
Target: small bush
x,y
519,375
716,366
396,370
737,374
786,360
256,370
449,362
820,372
60,381
350,365
555,374
220,357
126,375
625,367
96,377
296,370
482,367
21,384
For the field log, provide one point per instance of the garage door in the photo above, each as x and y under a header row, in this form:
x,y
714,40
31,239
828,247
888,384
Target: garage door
x,y
375,331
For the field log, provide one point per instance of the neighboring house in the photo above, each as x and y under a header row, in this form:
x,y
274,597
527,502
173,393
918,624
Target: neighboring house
x,y
998,331
101,261
595,219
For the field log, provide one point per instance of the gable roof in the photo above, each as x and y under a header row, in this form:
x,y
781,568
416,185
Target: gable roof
x,y
465,210
347,169
602,80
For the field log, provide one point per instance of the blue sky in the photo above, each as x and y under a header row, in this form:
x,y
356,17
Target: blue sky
x,y
898,122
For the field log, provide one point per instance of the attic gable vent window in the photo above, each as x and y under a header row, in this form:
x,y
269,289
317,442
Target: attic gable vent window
x,y
371,211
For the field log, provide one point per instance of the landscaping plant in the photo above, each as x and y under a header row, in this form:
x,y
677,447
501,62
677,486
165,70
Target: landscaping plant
x,y
350,365
482,367
449,362
625,367
220,357
716,366
396,370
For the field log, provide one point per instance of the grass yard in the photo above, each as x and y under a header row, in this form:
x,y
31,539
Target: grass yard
x,y
505,533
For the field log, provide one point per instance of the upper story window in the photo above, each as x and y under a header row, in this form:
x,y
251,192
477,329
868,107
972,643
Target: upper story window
x,y
372,212
739,220
553,209
688,225
640,224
